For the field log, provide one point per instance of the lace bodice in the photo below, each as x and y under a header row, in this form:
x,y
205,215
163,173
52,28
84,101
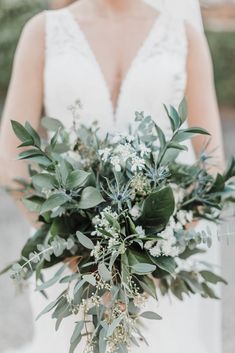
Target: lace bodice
x,y
157,74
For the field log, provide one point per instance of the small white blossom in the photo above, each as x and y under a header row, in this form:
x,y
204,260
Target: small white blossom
x,y
156,250
140,231
129,138
115,161
149,244
182,217
144,150
135,211
137,164
96,251
105,154
124,151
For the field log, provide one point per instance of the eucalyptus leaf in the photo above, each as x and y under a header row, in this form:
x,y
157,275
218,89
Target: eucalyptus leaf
x,y
212,277
151,315
77,331
114,325
143,268
104,272
84,240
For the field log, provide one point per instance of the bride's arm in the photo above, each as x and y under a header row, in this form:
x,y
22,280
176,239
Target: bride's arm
x,y
201,97
24,99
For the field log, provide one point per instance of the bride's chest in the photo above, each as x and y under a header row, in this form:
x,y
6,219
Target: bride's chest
x,y
156,75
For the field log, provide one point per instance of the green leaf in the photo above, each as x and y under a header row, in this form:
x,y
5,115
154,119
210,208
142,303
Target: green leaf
x,y
114,325
183,110
230,171
158,208
186,134
77,331
209,291
21,132
44,181
165,263
122,348
151,315
51,124
177,146
38,238
33,133
52,280
102,340
172,121
212,277
48,308
148,286
54,201
84,240
218,184
143,268
33,203
29,154
104,272
90,198
76,179
90,279
161,136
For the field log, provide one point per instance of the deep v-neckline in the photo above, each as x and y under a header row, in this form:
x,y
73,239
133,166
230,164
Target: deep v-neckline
x,y
91,52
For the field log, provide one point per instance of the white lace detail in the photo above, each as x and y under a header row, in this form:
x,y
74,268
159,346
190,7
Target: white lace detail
x,y
60,35
66,44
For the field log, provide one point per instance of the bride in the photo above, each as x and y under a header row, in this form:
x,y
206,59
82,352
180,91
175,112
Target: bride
x,y
116,57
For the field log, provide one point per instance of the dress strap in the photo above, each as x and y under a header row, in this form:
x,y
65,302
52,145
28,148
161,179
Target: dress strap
x,y
60,34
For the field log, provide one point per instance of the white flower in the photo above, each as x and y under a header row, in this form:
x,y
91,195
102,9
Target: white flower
x,y
140,231
104,153
167,233
137,164
96,251
124,151
115,161
181,216
129,138
149,244
144,149
112,242
135,211
156,250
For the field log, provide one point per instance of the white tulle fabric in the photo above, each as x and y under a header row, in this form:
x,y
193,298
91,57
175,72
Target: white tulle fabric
x,y
157,75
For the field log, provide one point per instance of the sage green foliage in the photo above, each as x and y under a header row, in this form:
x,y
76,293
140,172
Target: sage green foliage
x,y
85,204
13,16
223,54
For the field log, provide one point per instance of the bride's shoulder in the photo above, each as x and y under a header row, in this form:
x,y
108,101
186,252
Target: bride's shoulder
x,y
33,33
196,37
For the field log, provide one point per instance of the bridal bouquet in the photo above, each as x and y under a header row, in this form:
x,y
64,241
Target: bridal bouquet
x,y
118,214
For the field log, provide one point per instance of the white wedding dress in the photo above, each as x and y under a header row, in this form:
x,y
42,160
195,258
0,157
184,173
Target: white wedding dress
x,y
157,75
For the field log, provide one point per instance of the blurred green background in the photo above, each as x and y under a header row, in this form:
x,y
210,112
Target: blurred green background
x,y
14,13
